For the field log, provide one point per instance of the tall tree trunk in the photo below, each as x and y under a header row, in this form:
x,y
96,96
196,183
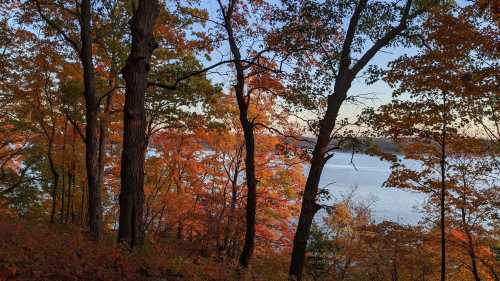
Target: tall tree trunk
x,y
309,205
91,134
55,183
91,111
64,178
104,123
103,138
473,258
63,195
71,180
347,71
82,204
178,184
70,195
251,207
248,133
52,167
135,72
443,193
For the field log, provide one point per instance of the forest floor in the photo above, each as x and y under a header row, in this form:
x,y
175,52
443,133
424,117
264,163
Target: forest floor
x,y
33,249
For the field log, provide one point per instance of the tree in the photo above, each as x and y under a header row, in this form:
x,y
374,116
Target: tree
x,y
427,113
85,53
210,155
472,204
326,65
148,111
135,73
335,246
350,245
243,99
427,125
233,24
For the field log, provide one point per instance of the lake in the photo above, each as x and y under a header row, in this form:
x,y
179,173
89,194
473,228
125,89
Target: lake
x,y
393,204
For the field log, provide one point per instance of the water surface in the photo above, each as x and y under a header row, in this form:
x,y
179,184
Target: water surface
x,y
367,177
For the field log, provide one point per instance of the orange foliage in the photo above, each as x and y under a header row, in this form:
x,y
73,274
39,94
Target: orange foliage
x,y
33,250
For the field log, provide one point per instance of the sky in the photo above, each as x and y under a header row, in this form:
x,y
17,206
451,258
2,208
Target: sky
x,y
378,93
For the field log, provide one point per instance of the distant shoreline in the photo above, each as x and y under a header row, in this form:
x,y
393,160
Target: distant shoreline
x,y
384,145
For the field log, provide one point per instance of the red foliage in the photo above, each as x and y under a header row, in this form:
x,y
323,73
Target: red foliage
x,y
34,250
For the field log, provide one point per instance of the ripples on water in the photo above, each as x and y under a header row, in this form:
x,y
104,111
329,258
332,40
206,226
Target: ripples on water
x,y
367,178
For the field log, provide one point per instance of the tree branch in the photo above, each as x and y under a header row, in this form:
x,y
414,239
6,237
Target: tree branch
x,y
271,129
75,125
109,93
187,76
345,57
57,28
384,40
201,71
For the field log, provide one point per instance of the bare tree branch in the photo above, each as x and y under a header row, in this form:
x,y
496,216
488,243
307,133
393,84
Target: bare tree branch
x,y
59,30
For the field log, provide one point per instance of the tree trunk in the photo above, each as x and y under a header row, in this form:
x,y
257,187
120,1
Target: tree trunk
x,y
63,195
70,196
72,206
71,180
248,133
104,124
64,178
248,127
53,169
103,139
91,112
251,207
470,242
135,72
55,177
178,184
472,254
229,230
443,192
82,203
346,74
309,205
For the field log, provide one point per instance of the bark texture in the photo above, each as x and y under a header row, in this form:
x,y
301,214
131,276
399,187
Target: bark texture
x,y
135,72
91,128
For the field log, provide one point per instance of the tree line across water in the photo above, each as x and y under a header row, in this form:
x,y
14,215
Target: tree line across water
x,y
168,139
